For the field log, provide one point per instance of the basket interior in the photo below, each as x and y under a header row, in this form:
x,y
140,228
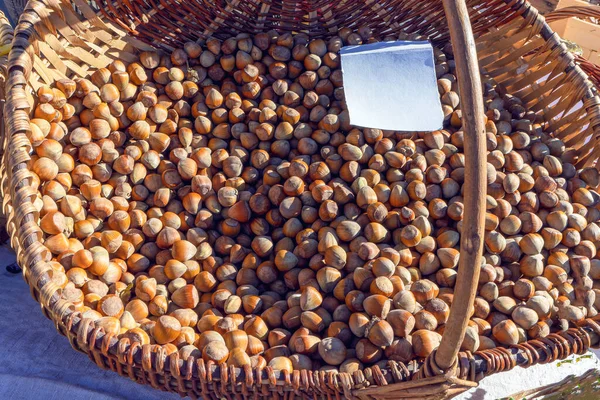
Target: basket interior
x,y
514,46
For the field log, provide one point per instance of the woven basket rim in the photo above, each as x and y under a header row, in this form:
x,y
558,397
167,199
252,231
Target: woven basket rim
x,y
82,333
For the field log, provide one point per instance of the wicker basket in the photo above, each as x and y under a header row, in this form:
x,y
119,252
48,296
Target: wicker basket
x,y
572,387
516,48
586,13
6,37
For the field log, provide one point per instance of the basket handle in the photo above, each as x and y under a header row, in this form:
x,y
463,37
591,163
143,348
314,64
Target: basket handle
x,y
574,11
583,12
591,69
6,36
471,243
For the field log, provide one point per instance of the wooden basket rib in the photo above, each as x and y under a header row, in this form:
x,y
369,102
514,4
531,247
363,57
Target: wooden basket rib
x,y
6,37
56,38
591,69
571,387
586,13
583,12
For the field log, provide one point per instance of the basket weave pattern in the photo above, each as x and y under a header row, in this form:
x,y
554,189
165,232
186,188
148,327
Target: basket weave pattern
x,y
6,37
58,38
586,13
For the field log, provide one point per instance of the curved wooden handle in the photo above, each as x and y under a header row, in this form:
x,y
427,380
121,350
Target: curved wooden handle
x,y
6,37
471,243
591,69
575,11
583,12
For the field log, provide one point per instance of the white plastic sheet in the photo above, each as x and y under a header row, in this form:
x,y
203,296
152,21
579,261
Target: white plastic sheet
x,y
39,363
392,86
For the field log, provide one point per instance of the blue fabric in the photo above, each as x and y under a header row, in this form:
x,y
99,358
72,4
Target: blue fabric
x,y
36,362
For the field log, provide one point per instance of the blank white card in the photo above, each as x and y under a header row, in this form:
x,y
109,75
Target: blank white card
x,y
392,86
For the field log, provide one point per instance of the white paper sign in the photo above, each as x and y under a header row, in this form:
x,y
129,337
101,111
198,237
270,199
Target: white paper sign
x,y
392,86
